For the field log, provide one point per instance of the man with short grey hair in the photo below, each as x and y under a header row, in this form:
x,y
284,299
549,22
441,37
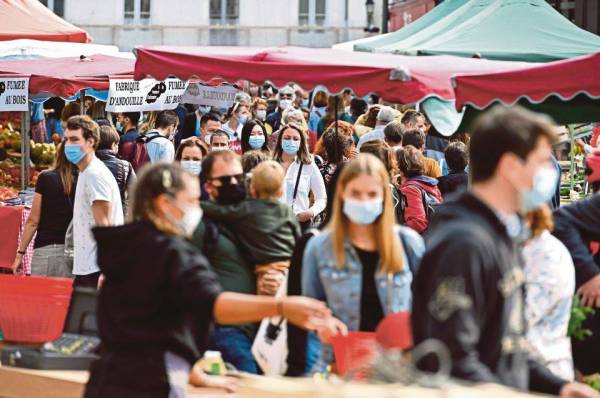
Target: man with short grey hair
x,y
286,98
386,115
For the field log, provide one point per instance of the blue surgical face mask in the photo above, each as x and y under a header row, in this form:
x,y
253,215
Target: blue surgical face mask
x,y
204,109
363,212
119,126
544,185
193,167
256,141
305,103
242,119
290,147
74,153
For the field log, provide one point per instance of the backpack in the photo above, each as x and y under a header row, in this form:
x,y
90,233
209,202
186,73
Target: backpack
x,y
140,153
430,202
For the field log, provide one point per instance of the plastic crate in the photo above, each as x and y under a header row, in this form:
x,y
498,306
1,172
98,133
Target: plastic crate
x,y
355,351
33,309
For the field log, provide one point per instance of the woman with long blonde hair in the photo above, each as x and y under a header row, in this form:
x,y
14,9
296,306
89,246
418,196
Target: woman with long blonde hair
x,y
362,264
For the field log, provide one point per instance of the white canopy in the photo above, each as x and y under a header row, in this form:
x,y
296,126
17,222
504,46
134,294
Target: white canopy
x,y
25,49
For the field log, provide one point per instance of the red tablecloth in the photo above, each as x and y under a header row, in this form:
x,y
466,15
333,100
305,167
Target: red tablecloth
x,y
10,225
12,221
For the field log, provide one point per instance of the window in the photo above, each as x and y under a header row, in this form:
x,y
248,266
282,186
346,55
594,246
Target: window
x,y
311,12
224,12
137,11
57,6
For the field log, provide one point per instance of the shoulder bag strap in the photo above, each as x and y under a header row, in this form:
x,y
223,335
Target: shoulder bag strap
x,y
297,183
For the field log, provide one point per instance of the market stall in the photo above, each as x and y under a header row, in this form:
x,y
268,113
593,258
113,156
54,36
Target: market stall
x,y
399,79
49,77
514,30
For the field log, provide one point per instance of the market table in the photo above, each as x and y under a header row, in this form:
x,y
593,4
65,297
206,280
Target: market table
x,y
10,223
25,383
12,220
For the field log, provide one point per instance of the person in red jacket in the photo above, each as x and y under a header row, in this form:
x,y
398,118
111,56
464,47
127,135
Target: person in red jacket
x,y
419,191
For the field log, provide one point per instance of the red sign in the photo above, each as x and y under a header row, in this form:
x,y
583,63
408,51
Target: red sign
x,y
403,13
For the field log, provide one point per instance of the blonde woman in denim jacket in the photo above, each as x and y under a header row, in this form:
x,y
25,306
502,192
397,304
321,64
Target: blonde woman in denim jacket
x,y
362,265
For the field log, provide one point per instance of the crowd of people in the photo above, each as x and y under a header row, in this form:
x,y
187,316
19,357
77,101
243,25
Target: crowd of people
x,y
191,222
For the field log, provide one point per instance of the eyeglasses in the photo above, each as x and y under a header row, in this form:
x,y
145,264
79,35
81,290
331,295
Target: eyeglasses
x,y
226,180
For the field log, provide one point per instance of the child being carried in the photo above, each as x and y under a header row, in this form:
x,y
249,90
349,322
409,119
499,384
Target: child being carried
x,y
266,229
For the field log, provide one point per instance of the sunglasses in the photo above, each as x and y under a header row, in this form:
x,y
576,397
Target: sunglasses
x,y
226,180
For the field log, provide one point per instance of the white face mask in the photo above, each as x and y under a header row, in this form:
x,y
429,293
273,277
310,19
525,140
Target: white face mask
x,y
192,216
285,104
261,115
193,167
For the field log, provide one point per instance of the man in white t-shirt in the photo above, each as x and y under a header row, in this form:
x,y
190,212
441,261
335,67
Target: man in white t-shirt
x,y
97,197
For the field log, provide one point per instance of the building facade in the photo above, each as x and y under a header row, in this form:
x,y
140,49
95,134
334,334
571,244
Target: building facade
x,y
584,13
128,23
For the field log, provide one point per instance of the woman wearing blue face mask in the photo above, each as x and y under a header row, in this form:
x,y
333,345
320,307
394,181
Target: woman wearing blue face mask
x,y
237,116
362,264
254,137
302,175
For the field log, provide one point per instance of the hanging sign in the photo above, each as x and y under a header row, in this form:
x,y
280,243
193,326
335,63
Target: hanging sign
x,y
218,96
128,95
14,94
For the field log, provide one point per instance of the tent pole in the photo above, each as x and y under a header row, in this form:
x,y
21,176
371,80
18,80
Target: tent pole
x,y
336,99
82,102
25,155
572,165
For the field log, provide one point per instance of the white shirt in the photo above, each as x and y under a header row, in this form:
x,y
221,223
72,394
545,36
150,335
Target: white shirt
x,y
311,180
373,135
94,183
233,134
549,287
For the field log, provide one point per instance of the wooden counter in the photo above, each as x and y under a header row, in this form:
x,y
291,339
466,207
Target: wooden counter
x,y
29,383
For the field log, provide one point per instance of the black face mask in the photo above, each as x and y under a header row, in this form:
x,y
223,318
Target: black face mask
x,y
231,194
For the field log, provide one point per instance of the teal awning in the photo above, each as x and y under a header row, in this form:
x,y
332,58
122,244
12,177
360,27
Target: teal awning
x,y
514,30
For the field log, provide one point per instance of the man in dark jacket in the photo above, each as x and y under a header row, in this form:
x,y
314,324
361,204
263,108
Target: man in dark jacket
x,y
457,159
127,122
121,169
468,291
577,225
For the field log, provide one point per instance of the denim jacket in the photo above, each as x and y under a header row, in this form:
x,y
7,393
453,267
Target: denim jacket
x,y
341,288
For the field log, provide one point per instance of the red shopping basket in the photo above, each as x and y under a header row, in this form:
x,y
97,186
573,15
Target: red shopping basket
x,y
354,351
33,309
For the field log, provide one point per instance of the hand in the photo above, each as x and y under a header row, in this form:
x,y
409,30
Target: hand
x,y
331,327
17,266
304,312
268,284
305,216
101,281
578,390
200,379
590,292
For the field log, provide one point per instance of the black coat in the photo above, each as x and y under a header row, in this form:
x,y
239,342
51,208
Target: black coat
x,y
468,293
576,225
158,297
453,182
121,170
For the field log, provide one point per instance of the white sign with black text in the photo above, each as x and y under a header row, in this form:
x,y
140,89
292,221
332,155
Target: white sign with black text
x,y
218,96
14,94
127,95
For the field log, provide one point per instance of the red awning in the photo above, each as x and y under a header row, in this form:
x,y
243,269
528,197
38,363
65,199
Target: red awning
x,y
30,19
395,78
563,79
64,77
